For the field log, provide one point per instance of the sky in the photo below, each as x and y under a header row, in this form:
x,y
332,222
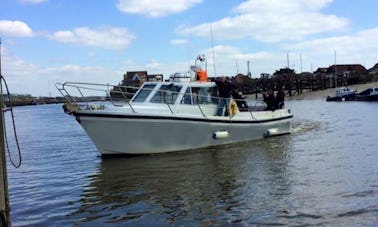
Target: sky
x,y
44,42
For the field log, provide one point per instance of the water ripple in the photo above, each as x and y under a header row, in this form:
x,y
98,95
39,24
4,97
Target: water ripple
x,y
323,174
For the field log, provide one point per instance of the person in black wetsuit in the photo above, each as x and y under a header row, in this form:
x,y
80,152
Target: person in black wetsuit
x,y
225,87
280,98
240,99
270,100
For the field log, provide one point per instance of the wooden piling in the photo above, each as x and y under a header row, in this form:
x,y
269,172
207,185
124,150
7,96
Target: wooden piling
x,y
4,199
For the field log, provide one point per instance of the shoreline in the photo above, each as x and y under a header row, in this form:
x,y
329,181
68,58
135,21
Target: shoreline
x,y
306,95
322,94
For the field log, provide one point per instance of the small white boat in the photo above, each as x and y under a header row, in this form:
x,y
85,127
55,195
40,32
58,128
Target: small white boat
x,y
169,116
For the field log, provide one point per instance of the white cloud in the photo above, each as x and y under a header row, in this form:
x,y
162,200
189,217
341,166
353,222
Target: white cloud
x,y
15,28
106,37
272,21
178,41
27,78
153,8
32,1
364,40
230,60
358,48
154,64
91,55
281,6
156,67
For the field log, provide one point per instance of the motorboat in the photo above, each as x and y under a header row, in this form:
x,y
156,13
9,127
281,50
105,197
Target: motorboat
x,y
370,94
343,94
168,116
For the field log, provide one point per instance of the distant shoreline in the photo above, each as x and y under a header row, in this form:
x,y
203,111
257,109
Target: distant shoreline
x,y
319,94
322,94
32,101
308,95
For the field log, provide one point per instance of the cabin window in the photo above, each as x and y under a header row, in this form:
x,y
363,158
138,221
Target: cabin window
x,y
187,98
166,94
144,92
204,95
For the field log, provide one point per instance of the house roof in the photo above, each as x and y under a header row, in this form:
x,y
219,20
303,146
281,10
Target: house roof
x,y
345,68
374,69
129,76
321,70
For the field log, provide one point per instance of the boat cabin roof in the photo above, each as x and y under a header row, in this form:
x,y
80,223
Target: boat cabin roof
x,y
344,91
369,91
193,92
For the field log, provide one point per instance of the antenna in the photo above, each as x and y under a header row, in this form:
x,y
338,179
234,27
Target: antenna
x,y
190,45
287,59
248,71
335,71
212,45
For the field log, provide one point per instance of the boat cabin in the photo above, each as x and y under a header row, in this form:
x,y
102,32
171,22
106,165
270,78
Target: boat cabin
x,y
370,91
342,91
191,93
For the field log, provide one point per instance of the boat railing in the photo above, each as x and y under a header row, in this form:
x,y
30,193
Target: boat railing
x,y
89,92
77,93
118,95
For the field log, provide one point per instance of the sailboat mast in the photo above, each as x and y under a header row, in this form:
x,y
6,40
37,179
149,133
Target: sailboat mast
x,y
212,45
335,71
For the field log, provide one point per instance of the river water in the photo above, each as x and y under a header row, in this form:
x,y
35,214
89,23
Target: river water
x,y
324,173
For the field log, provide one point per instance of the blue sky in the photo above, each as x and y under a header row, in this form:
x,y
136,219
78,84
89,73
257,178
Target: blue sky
x,y
50,41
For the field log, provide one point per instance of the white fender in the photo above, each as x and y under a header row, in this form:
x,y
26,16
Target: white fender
x,y
221,134
272,132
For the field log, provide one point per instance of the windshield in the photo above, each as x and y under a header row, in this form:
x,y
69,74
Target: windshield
x,y
166,94
199,95
144,92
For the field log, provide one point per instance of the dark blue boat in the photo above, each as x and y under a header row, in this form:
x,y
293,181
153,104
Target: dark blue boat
x,y
343,94
370,94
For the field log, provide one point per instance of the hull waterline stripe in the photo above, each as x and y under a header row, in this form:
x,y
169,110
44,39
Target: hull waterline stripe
x,y
120,116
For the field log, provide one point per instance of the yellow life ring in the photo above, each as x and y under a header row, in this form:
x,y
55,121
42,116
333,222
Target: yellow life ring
x,y
233,108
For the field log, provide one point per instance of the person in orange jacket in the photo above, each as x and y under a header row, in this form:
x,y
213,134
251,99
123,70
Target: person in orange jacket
x,y
201,75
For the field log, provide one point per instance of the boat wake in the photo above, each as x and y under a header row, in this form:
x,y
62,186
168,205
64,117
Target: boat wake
x,y
301,126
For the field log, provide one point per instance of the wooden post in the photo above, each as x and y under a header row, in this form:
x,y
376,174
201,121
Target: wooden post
x,y
4,199
297,84
256,85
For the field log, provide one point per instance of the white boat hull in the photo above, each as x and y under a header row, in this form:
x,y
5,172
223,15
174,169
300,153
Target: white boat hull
x,y
148,134
170,116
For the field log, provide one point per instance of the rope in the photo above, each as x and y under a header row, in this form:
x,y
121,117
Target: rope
x,y
16,165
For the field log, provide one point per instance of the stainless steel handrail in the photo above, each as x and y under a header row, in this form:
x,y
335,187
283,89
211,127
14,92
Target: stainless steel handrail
x,y
80,86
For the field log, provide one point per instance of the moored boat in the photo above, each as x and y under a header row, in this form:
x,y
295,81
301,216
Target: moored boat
x,y
343,94
370,94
